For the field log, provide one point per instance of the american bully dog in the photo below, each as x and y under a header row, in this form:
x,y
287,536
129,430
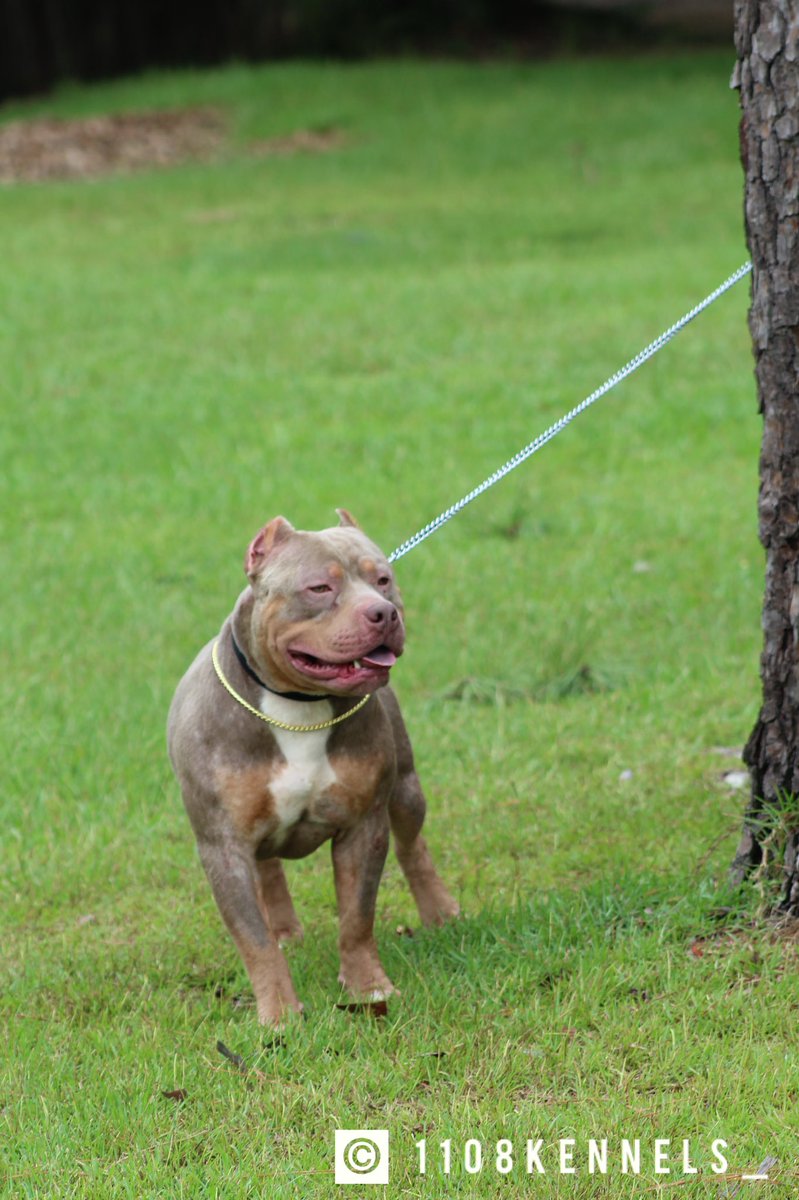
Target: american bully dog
x,y
284,734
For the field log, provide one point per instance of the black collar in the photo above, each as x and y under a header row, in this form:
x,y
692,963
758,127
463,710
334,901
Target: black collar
x,y
240,655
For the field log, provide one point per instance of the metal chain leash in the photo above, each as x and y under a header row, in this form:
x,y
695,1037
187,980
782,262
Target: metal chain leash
x,y
559,425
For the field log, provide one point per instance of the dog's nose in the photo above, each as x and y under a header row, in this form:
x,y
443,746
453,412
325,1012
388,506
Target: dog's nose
x,y
382,613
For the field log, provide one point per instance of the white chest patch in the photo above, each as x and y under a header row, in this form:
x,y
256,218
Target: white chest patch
x,y
307,772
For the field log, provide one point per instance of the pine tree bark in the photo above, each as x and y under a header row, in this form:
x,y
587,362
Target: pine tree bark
x,y
767,43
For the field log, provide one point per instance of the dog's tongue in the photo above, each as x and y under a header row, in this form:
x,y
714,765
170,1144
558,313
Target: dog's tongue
x,y
381,656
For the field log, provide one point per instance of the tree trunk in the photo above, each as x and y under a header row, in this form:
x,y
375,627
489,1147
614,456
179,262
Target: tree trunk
x,y
767,42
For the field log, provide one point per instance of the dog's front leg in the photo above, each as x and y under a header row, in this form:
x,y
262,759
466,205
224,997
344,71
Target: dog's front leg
x,y
358,857
232,876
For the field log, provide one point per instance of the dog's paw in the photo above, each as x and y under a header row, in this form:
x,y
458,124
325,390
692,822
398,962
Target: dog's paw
x,y
277,1013
438,907
366,980
382,994
274,992
288,935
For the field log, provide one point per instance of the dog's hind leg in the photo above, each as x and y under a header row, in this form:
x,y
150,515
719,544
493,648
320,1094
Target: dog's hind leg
x,y
283,922
358,857
406,812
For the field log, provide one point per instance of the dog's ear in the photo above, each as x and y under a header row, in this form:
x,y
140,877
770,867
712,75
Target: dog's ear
x,y
264,543
346,518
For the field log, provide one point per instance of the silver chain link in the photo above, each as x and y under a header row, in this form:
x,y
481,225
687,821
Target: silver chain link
x,y
559,425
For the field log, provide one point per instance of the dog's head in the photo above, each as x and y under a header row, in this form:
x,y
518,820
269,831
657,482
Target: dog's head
x,y
327,613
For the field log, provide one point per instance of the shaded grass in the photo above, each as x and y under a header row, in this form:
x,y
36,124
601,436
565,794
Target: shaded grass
x,y
188,353
542,1053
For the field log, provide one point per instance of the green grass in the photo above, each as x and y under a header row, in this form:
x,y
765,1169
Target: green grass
x,y
187,353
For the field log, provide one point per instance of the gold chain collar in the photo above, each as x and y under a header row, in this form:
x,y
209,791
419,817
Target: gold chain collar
x,y
273,720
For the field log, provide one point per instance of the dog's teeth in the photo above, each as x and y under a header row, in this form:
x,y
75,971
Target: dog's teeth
x,y
357,663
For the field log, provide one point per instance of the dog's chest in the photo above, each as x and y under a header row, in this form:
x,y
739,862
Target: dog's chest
x,y
304,778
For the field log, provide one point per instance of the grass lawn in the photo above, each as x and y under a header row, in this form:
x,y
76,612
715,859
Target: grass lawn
x,y
191,351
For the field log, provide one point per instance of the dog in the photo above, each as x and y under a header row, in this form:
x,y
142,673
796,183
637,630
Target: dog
x,y
284,733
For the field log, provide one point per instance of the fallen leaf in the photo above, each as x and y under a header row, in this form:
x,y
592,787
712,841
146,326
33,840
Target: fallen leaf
x,y
178,1094
277,1043
369,1008
231,1056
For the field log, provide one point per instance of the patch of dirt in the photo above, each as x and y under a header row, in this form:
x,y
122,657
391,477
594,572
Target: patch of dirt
x,y
45,148
302,141
49,148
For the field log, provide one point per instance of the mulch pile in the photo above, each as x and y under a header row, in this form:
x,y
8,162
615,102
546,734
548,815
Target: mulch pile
x,y
47,148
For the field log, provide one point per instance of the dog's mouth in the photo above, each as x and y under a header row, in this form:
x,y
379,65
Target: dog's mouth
x,y
372,667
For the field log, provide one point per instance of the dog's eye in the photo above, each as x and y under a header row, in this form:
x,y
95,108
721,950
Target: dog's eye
x,y
384,581
320,589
